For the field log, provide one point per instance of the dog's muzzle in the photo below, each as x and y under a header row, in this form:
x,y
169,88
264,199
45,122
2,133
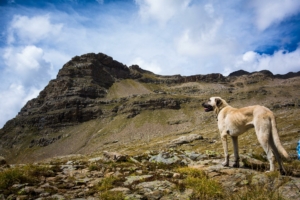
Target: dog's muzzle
x,y
207,107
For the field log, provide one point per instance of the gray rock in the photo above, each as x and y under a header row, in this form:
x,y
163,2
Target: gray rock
x,y
124,190
114,156
166,158
95,159
185,139
2,161
155,189
58,197
290,190
132,179
195,156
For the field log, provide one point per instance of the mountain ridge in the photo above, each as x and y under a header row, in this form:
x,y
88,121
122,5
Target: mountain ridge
x,y
119,101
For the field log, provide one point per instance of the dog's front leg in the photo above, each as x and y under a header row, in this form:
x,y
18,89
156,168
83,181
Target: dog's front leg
x,y
236,152
225,147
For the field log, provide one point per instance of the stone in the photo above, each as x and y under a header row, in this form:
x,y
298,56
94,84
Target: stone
x,y
155,189
2,160
185,139
124,190
58,197
165,157
114,156
290,190
133,179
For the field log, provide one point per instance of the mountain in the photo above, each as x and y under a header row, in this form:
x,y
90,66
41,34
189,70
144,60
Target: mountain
x,y
96,103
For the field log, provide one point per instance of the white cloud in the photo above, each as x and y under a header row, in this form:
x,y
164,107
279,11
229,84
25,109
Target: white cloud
x,y
280,62
203,42
27,59
269,12
250,56
13,99
161,11
25,75
32,29
27,65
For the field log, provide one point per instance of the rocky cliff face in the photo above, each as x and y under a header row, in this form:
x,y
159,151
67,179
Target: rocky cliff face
x,y
73,97
96,87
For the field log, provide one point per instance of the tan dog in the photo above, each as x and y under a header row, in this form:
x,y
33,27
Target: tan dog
x,y
234,122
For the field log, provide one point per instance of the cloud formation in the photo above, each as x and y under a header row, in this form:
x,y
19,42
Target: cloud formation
x,y
167,37
32,29
268,12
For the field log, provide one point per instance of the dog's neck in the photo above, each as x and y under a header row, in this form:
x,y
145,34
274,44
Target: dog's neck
x,y
218,110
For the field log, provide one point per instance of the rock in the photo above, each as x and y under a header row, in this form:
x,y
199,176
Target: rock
x,y
134,197
2,161
83,181
155,189
195,156
185,139
290,190
166,158
133,179
95,159
114,156
124,190
58,197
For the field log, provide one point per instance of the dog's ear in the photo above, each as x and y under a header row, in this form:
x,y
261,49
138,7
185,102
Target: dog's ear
x,y
218,102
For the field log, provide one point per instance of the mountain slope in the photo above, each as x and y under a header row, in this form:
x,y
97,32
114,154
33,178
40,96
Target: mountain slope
x,y
97,103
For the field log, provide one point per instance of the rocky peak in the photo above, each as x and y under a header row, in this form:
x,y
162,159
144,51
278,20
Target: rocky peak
x,y
99,68
71,97
243,72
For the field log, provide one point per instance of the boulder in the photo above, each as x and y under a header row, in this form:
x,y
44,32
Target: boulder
x,y
185,139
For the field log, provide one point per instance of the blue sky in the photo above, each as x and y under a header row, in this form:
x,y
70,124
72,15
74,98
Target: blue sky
x,y
167,37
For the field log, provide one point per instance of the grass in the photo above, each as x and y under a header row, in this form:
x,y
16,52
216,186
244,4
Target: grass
x,y
28,174
256,193
202,186
109,195
263,190
206,188
12,176
104,187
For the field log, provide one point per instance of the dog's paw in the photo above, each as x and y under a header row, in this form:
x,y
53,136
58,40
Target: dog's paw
x,y
225,164
236,165
283,172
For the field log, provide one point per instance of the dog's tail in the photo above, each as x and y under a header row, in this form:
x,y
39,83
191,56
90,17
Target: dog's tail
x,y
276,138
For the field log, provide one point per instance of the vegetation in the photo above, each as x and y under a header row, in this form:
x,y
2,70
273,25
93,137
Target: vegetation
x,y
202,186
28,174
105,185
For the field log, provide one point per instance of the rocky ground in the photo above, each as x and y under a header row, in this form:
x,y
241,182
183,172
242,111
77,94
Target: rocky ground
x,y
167,174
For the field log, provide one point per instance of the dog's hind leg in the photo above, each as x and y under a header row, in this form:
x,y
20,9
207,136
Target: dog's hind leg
x,y
236,152
263,138
277,155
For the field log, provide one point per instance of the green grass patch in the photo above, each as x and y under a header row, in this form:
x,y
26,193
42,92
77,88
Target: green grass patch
x,y
257,192
109,195
203,187
26,174
106,184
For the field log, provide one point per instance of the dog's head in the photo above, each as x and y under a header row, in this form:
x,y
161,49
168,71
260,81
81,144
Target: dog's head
x,y
214,104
